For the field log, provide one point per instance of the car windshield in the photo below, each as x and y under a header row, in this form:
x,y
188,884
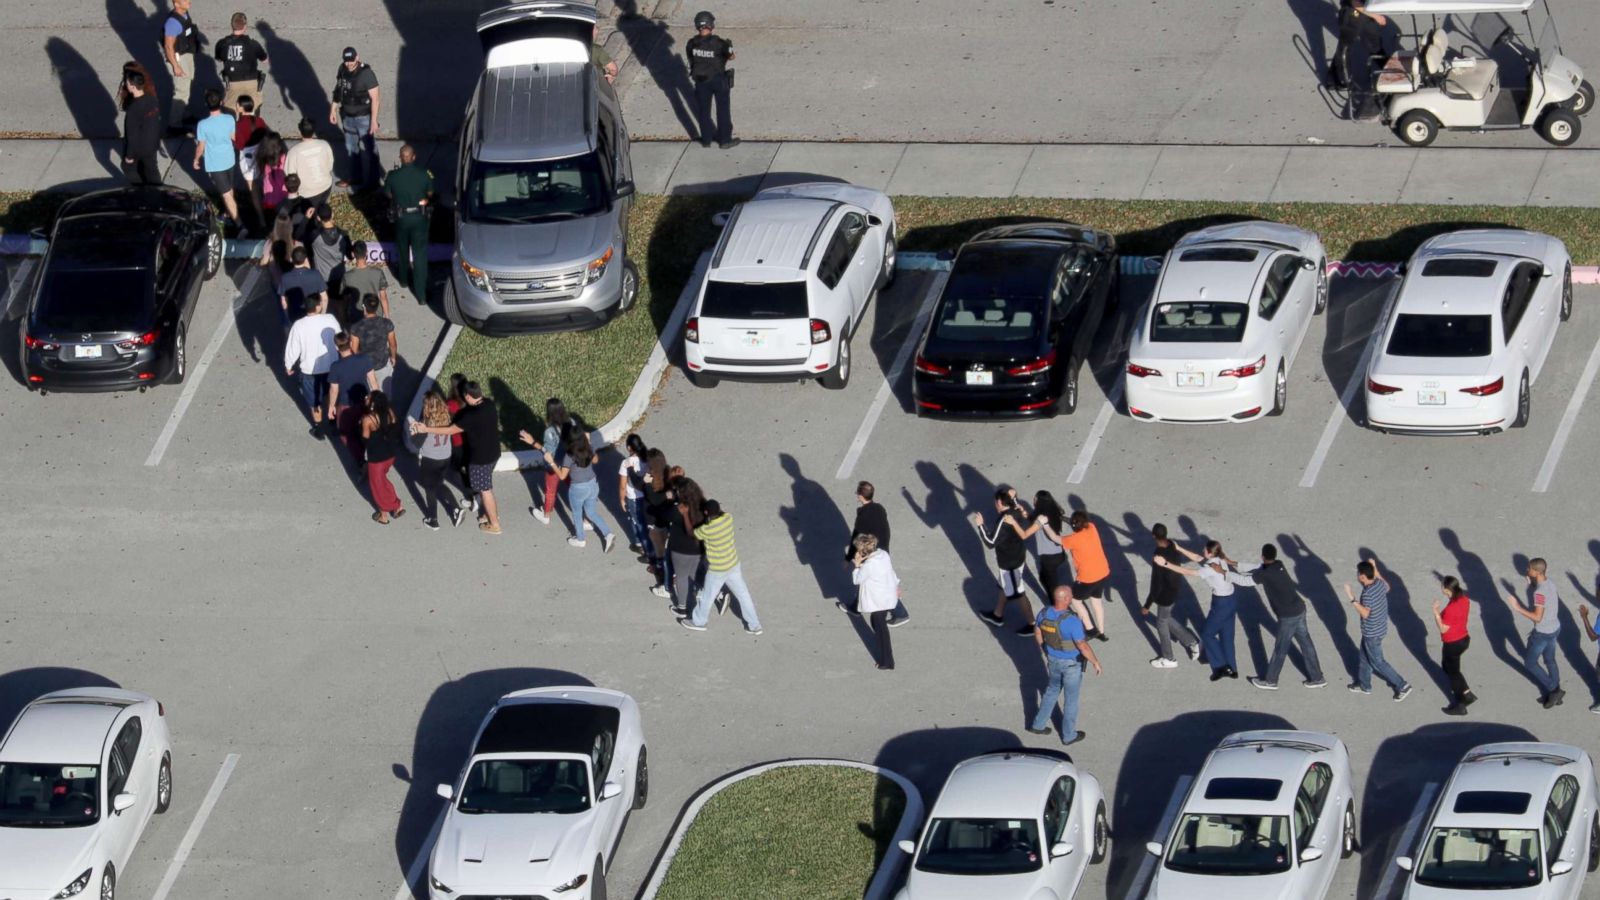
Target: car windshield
x,y
1199,322
737,300
1418,334
1480,858
526,786
95,300
35,795
1211,844
546,191
980,847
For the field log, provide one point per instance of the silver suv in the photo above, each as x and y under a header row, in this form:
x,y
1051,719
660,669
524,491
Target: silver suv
x,y
543,183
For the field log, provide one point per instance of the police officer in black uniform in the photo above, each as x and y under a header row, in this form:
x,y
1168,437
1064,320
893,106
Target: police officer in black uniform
x,y
709,56
241,58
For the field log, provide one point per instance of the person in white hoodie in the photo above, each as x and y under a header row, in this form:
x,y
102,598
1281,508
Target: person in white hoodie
x,y
311,349
879,591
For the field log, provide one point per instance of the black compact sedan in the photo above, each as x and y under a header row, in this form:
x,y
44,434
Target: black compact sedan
x,y
1015,322
111,304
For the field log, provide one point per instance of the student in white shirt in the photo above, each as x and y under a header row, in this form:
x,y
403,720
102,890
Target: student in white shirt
x,y
1217,634
311,349
879,588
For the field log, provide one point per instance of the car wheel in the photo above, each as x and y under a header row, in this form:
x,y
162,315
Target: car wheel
x,y
1417,128
164,784
214,245
597,883
703,379
1559,127
1566,291
1594,843
1067,403
452,304
1280,392
630,286
1102,835
1347,844
1322,288
1524,402
641,779
886,274
180,356
838,377
1583,100
108,883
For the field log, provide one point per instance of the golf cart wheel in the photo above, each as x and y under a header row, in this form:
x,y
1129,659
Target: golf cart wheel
x,y
1583,100
1559,127
1417,128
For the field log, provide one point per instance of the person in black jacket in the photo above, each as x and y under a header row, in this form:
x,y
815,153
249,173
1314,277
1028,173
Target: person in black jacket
x,y
142,127
1286,604
1010,555
873,519
709,55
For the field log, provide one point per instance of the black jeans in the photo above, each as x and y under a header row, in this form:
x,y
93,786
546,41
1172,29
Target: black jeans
x,y
141,169
705,91
1450,659
880,627
1050,566
431,477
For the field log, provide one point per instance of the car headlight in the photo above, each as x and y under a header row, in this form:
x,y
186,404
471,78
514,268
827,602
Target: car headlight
x,y
438,885
77,885
574,884
597,267
476,277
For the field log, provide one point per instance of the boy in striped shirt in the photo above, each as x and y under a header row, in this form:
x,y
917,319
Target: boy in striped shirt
x,y
1373,608
722,568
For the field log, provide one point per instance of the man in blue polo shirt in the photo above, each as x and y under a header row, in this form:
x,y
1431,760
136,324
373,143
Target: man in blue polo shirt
x,y
1061,635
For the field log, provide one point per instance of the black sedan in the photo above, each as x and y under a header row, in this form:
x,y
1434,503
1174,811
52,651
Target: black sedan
x,y
1015,322
111,305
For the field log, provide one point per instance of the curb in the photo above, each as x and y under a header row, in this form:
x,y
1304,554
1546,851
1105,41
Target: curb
x,y
883,880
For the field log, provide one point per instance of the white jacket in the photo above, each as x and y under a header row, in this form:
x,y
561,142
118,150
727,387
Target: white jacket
x,y
880,586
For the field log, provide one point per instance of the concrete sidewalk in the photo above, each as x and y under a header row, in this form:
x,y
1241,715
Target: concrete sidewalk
x,y
1503,177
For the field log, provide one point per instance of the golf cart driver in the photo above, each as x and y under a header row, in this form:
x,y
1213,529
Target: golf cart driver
x,y
1479,65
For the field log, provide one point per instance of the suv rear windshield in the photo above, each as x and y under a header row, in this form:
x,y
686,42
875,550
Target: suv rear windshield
x,y
547,191
772,300
1199,322
1441,336
95,300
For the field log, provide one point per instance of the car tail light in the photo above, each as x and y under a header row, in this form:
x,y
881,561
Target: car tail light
x,y
143,340
1039,365
1485,390
146,376
34,343
1245,371
1136,411
930,368
1381,389
928,404
819,332
36,379
691,330
1247,413
1139,371
1030,407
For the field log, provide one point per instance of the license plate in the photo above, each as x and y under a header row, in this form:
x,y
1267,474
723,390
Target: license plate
x,y
86,351
980,378
1430,398
755,339
1191,379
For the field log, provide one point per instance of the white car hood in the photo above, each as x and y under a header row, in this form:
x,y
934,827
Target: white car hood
x,y
1172,885
1416,891
928,886
512,851
44,859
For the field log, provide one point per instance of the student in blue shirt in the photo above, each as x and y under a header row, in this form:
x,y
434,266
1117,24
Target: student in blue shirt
x,y
213,146
1060,634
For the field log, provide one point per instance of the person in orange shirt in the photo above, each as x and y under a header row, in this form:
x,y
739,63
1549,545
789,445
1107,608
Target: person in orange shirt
x,y
1092,570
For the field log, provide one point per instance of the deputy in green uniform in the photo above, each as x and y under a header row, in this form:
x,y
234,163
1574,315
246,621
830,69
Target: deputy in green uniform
x,y
410,189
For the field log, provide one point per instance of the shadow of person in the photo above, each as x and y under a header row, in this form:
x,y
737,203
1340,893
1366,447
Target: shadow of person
x,y
140,30
1408,624
651,43
1498,626
820,534
1186,610
20,687
1318,18
300,92
1314,577
1123,583
438,65
443,740
94,109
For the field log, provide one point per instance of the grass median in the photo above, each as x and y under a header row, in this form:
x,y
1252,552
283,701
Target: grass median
x,y
816,832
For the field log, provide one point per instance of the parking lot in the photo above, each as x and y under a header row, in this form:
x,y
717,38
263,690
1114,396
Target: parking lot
x,y
342,667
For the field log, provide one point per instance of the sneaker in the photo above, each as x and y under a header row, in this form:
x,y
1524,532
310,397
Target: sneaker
x,y
1555,698
1218,674
433,524
1455,709
847,608
1038,730
318,433
1262,683
992,619
486,528
1193,651
688,623
1358,689
730,144
1079,736
539,514
1231,672
1595,708
1469,699
1161,662
577,542
635,548
1025,631
679,610
1317,683
476,509
896,623
606,543
1102,637
1402,693
660,590
722,604
456,515
752,631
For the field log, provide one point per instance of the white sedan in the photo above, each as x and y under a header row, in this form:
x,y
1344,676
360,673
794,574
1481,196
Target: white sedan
x,y
789,281
1517,821
81,772
1467,333
540,806
1019,824
1221,332
1268,818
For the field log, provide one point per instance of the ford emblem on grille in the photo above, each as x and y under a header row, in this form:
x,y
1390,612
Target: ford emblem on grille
x,y
535,285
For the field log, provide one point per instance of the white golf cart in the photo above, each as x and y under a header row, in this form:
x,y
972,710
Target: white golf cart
x,y
1476,66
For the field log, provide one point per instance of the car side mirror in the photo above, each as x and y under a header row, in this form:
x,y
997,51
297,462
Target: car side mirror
x,y
446,791
1155,848
721,219
124,802
625,189
610,789
1403,862
907,847
1560,867
874,221
1308,264
1310,854
1060,849
1547,273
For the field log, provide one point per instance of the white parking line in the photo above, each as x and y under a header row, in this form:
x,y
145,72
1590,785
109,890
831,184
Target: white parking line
x,y
18,279
1080,469
1568,419
885,390
1331,430
1146,868
192,382
1406,837
193,834
414,873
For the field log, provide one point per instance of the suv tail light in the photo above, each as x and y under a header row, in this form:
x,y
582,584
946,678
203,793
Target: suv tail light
x,y
1042,364
819,332
1381,389
930,368
691,330
1139,371
34,343
1246,371
1485,390
143,340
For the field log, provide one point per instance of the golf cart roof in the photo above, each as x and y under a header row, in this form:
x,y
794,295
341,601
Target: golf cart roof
x,y
1447,7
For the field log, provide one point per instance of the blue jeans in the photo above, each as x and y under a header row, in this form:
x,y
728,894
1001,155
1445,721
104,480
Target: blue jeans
x,y
584,498
734,579
1542,647
1293,628
1216,635
361,148
1065,677
1372,662
638,528
313,390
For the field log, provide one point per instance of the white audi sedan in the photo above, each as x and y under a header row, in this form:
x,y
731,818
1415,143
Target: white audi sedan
x,y
1517,821
789,280
1018,825
1268,818
540,806
1222,330
81,772
1467,333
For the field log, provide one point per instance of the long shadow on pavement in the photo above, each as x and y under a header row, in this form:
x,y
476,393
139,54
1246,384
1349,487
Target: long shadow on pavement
x,y
651,44
300,92
94,109
1187,610
438,66
1499,629
1314,577
20,687
820,532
